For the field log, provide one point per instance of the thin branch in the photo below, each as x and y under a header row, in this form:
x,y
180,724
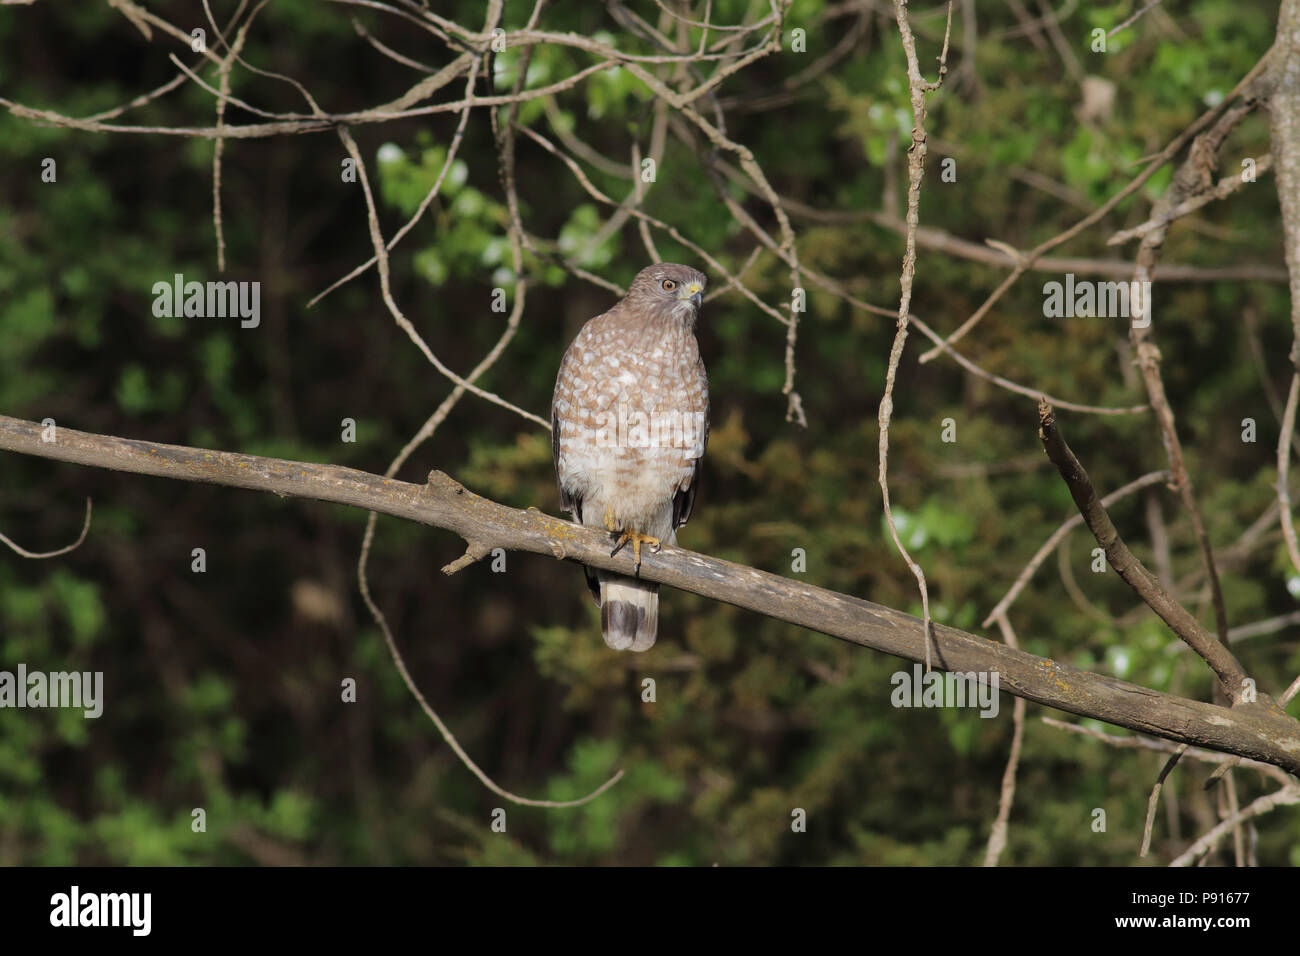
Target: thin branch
x,y
381,255
1165,747
1151,478
1287,796
38,555
998,835
1066,574
929,237
1283,467
425,432
1133,19
1226,187
223,79
915,171
672,231
1166,154
432,714
1260,628
1283,104
1194,175
429,197
1153,801
1128,567
388,51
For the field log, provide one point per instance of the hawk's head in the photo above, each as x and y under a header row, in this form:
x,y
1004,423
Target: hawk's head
x,y
667,287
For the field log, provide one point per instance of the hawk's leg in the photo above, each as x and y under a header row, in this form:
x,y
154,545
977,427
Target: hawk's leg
x,y
624,536
637,540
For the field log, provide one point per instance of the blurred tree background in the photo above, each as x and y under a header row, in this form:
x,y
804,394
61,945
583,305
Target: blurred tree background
x,y
223,688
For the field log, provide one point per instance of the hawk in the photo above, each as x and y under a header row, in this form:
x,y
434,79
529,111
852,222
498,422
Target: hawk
x,y
629,424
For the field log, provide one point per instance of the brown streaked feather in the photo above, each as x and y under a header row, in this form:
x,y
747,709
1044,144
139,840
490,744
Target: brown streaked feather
x,y
568,502
684,500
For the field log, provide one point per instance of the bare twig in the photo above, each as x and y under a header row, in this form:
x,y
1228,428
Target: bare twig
x,y
998,835
1193,176
381,255
1152,478
428,197
915,171
17,549
1283,467
1133,19
1166,154
1153,801
1287,796
1226,187
1166,747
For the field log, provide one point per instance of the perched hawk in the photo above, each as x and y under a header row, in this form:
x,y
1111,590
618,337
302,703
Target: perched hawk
x,y
630,420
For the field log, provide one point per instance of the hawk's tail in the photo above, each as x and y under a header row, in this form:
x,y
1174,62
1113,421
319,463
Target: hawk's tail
x,y
629,612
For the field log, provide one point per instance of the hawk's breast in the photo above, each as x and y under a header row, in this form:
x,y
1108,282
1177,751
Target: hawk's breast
x,y
630,404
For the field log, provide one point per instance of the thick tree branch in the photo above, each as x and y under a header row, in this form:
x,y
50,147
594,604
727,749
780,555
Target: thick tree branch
x,y
1257,731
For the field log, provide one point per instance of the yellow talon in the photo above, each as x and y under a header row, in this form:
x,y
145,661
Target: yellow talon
x,y
637,540
609,521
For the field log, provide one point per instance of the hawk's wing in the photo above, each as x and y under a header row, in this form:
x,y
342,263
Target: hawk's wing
x,y
684,499
568,502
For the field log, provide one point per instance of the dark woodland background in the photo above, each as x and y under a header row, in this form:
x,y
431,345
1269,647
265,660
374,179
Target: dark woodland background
x,y
223,688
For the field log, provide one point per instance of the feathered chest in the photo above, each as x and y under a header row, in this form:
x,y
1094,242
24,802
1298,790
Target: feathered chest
x,y
632,387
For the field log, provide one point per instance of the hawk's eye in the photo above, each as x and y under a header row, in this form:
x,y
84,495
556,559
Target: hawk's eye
x,y
669,285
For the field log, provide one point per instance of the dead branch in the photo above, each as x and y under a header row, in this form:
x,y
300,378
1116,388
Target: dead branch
x,y
1126,564
1260,731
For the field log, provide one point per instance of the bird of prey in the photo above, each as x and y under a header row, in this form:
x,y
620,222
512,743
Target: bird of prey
x,y
629,424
